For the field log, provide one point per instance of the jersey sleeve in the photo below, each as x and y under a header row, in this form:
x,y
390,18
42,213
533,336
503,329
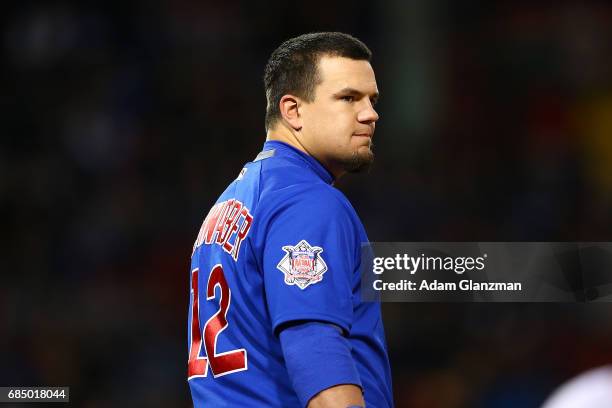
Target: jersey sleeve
x,y
309,261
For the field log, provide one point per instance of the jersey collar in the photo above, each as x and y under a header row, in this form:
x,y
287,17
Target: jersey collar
x,y
285,149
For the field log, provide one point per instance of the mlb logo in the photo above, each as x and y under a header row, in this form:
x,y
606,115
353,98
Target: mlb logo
x,y
302,264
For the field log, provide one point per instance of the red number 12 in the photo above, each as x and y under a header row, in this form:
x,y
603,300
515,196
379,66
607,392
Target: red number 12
x,y
221,363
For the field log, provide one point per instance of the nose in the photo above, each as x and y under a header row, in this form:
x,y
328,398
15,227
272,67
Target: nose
x,y
368,114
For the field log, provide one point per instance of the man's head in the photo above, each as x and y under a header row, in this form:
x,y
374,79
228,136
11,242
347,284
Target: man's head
x,y
321,88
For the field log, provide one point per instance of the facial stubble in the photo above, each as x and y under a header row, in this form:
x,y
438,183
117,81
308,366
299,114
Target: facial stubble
x,y
359,162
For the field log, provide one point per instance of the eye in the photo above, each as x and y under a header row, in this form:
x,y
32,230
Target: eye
x,y
348,98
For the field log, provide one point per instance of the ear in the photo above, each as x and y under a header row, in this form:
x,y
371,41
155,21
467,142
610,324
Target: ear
x,y
289,108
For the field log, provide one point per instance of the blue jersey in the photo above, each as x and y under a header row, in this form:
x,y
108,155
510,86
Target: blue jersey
x,y
281,244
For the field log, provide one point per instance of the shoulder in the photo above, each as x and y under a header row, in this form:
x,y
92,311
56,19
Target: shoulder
x,y
308,199
281,172
287,180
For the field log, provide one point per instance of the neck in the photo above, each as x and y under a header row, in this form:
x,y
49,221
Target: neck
x,y
283,133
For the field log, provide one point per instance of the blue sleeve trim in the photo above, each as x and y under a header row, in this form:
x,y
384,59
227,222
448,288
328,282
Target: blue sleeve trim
x,y
344,324
317,357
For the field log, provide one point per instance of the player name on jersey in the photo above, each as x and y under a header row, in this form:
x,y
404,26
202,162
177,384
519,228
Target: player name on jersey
x,y
226,220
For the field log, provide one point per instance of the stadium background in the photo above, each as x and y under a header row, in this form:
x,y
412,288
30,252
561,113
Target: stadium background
x,y
122,122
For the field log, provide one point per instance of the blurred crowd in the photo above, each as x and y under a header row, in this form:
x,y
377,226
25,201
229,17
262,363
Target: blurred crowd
x,y
124,121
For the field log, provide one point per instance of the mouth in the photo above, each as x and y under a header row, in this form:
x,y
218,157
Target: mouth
x,y
363,140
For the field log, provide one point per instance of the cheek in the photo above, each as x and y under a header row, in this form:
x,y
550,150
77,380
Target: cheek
x,y
329,124
320,118
333,126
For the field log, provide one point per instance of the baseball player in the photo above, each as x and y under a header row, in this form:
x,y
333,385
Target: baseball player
x,y
275,316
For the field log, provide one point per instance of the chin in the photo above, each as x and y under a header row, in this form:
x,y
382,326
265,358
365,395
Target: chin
x,y
360,161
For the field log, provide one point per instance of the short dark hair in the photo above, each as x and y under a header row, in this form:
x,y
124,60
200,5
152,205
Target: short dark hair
x,y
292,67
